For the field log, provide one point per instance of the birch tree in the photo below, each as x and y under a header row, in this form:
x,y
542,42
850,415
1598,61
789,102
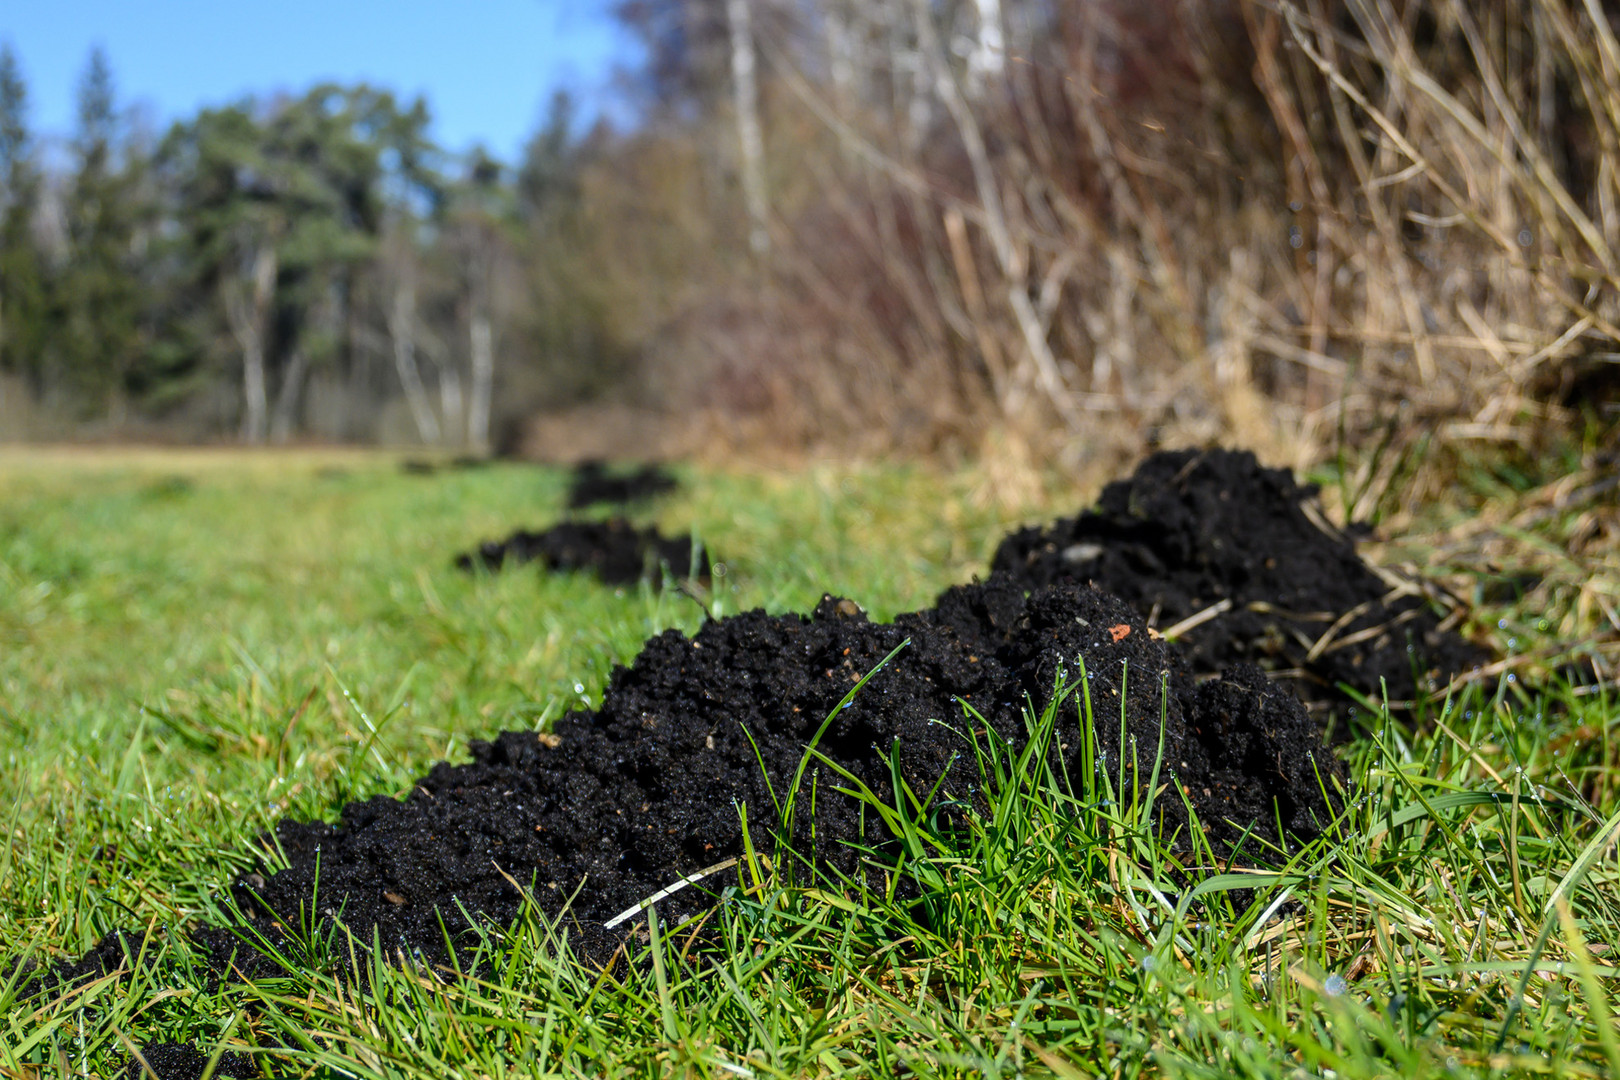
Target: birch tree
x,y
1012,263
402,334
988,59
749,139
481,216
246,294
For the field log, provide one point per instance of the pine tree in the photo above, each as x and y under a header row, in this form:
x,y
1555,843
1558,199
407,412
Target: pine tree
x,y
280,210
97,343
22,296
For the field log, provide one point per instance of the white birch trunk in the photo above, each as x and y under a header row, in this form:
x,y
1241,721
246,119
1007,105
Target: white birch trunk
x,y
909,82
752,143
840,52
483,378
285,416
247,316
989,56
1007,254
450,403
402,329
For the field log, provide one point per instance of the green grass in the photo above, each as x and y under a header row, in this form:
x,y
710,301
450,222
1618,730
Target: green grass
x,y
193,645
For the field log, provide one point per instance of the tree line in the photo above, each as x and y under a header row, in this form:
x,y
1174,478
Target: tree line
x,y
872,225
281,267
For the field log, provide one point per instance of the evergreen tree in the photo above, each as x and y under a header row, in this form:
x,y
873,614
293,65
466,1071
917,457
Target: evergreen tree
x,y
228,214
281,210
22,296
97,342
548,177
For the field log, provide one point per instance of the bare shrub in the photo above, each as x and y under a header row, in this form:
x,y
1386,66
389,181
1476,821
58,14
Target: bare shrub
x,y
1292,224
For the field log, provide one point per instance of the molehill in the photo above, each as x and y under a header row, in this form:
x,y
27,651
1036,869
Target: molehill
x,y
642,792
1241,557
615,550
594,483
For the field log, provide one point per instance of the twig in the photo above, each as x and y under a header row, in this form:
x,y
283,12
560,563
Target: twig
x,y
670,890
1194,621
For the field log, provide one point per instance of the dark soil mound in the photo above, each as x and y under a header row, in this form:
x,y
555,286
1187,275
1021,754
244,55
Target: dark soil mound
x,y
424,467
174,1061
617,551
593,484
638,795
1212,532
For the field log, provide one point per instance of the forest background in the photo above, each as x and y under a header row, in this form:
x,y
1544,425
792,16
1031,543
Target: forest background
x,y
1045,231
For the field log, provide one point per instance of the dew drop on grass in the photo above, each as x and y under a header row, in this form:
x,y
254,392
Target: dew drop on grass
x,y
1335,986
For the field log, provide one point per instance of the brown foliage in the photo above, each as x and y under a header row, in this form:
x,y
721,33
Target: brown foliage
x,y
1279,223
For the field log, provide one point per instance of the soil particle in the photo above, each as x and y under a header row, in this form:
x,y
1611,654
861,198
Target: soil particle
x,y
615,550
176,1061
593,484
1191,531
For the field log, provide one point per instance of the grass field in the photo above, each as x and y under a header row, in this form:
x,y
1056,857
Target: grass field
x,y
194,644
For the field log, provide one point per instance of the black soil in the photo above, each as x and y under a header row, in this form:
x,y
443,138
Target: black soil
x,y
616,804
423,467
176,1061
593,484
1191,529
615,550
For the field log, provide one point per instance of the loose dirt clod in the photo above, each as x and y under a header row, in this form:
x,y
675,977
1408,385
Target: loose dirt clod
x,y
593,484
1214,542
615,550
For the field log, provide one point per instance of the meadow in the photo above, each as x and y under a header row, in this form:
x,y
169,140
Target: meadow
x,y
195,644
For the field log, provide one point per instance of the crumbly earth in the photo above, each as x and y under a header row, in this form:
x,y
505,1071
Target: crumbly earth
x,y
615,550
613,805
593,484
1192,529
176,1061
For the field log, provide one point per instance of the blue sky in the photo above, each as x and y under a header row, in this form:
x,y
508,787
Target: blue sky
x,y
486,67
